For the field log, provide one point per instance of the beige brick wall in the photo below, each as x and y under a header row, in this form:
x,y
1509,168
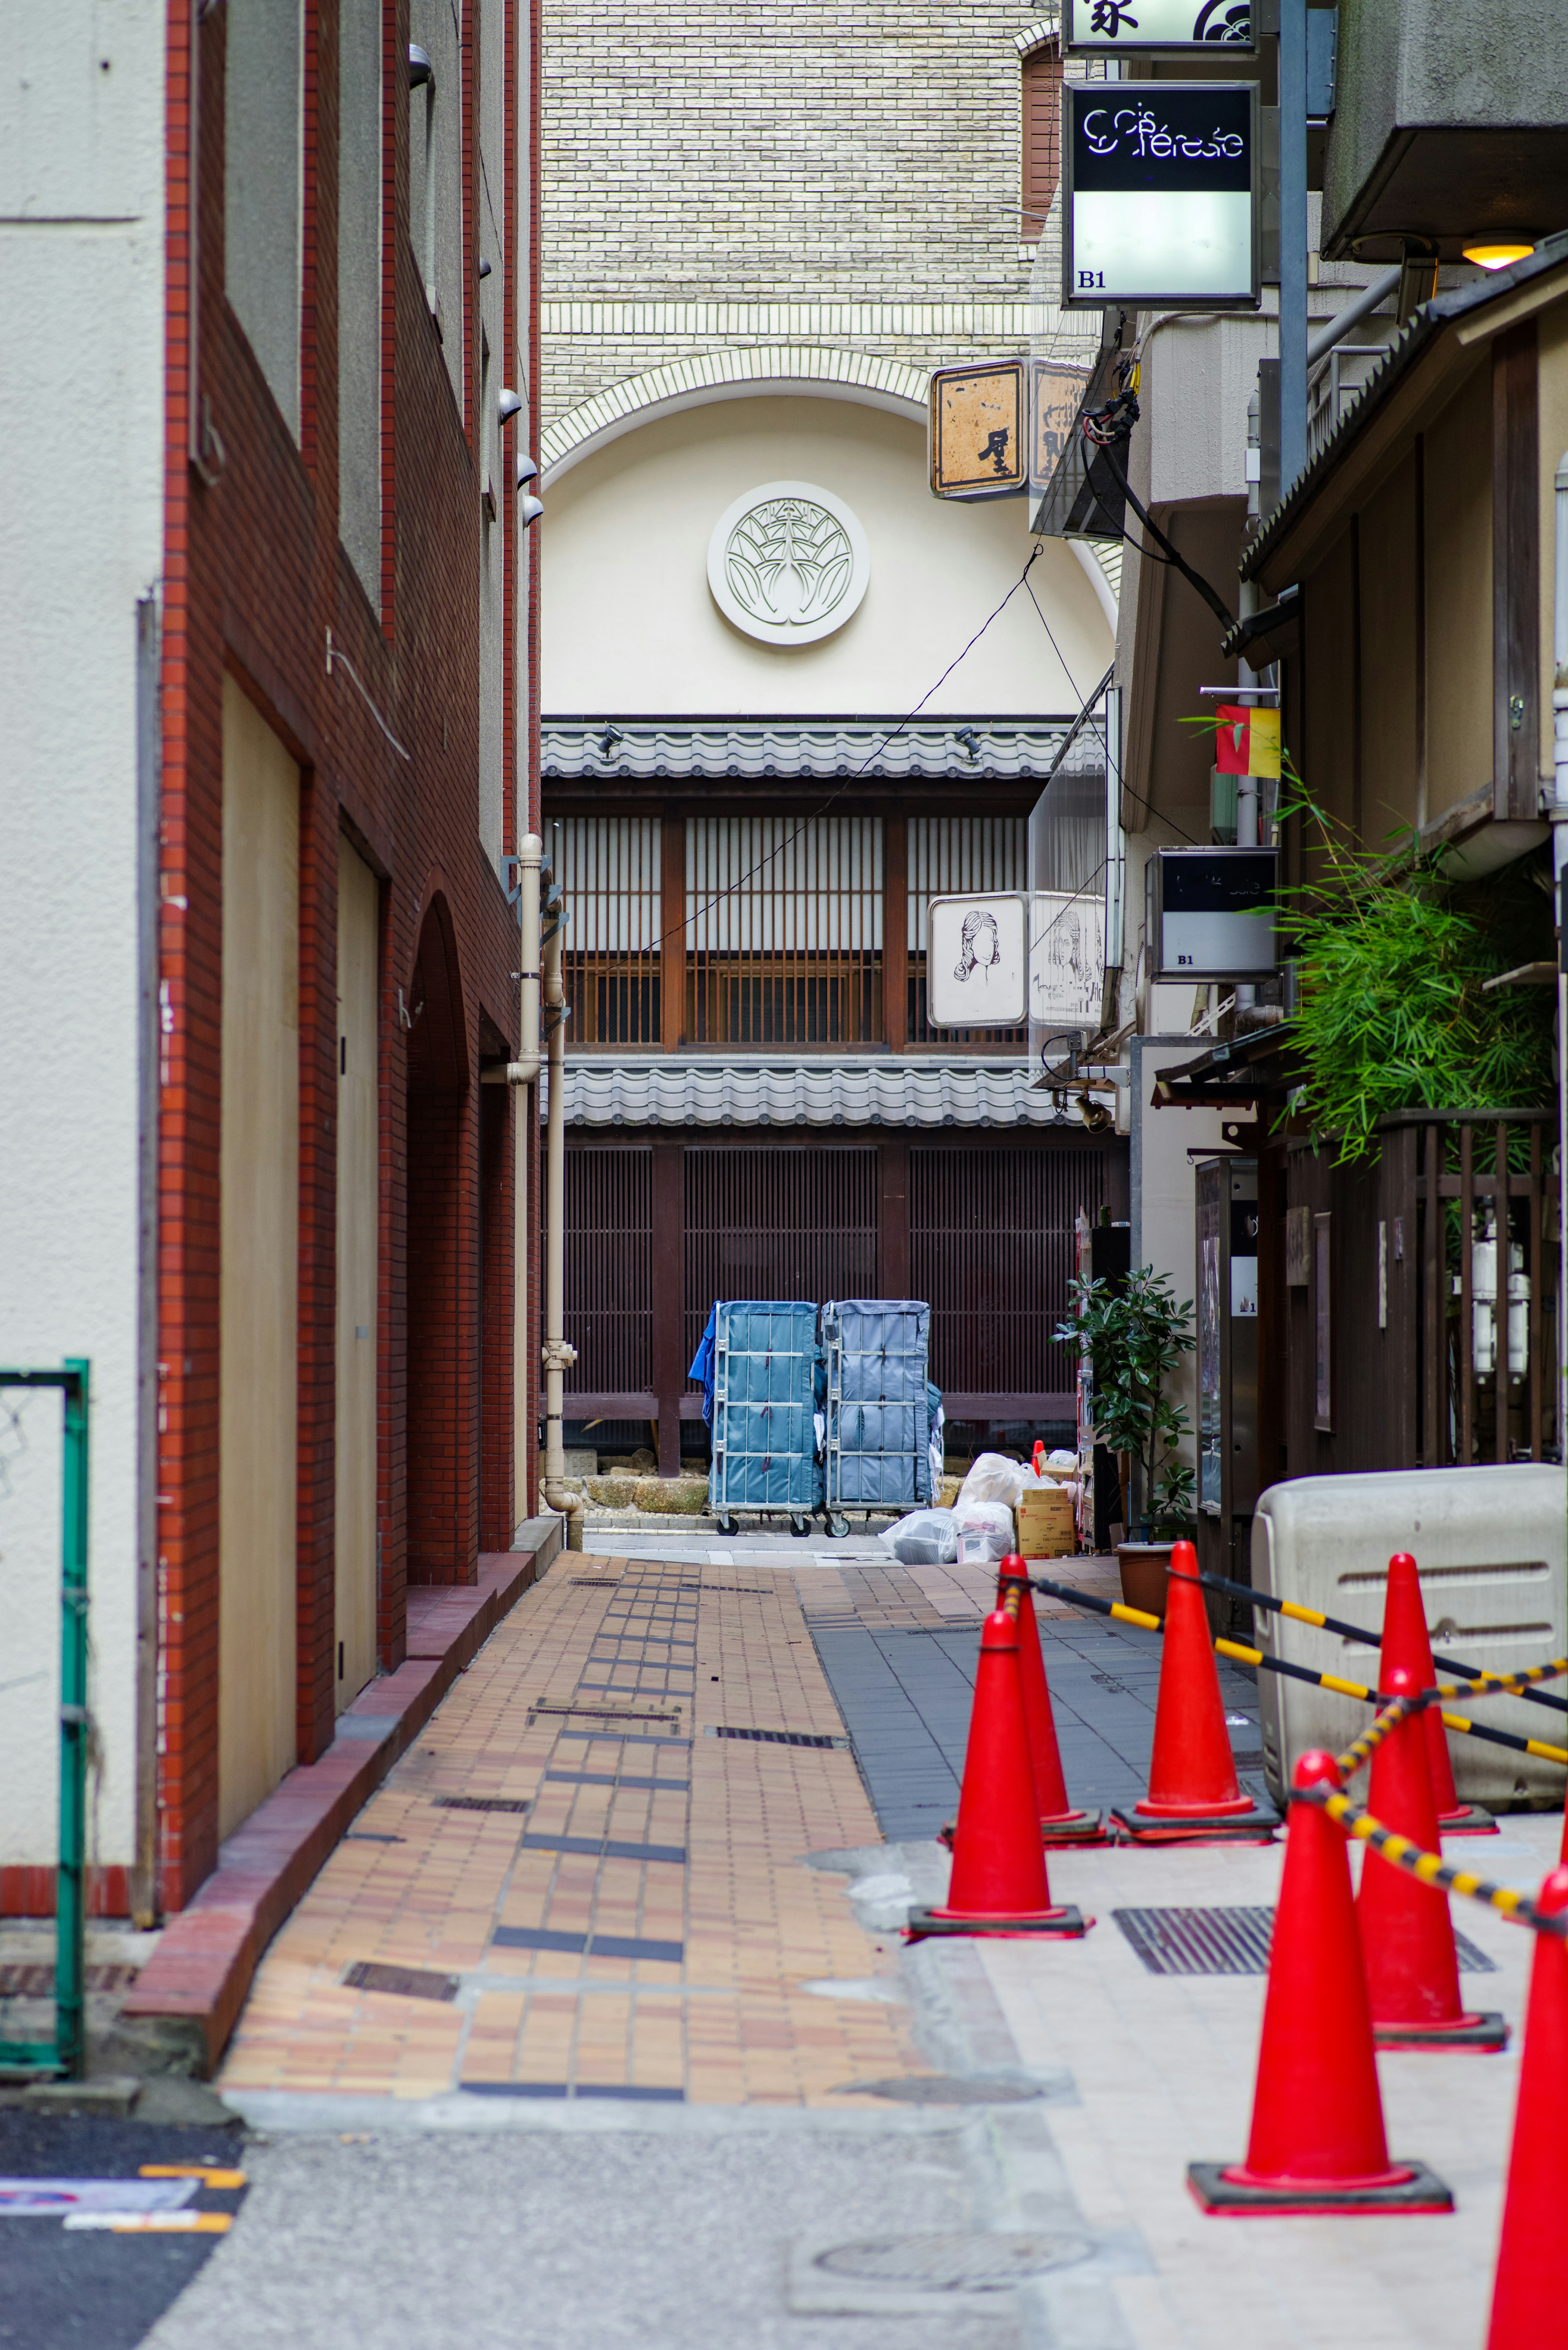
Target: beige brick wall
x,y
705,163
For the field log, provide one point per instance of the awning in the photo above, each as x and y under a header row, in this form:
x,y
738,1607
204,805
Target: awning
x,y
1255,1068
828,750
895,1090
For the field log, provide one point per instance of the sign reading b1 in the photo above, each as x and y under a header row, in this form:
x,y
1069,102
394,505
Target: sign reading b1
x,y
1159,195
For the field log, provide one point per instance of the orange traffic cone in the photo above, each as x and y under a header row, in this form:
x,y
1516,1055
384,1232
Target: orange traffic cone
x,y
1405,1642
1317,2142
1529,2293
1193,1791
1060,1821
1407,1931
999,1884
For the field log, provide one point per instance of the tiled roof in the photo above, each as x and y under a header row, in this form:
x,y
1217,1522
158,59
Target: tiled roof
x,y
897,1090
602,749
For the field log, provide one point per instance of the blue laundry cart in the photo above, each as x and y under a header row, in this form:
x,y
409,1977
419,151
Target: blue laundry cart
x,y
877,1453
763,1360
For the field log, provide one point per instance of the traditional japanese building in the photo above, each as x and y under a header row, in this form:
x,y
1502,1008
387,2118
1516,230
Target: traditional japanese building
x,y
788,696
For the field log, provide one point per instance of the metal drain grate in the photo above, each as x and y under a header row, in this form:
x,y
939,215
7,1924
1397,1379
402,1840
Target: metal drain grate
x,y
483,1802
1228,1941
595,1583
943,2089
778,1737
952,2263
403,1982
38,1981
603,1713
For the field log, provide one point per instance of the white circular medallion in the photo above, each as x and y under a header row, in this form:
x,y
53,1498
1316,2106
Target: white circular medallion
x,y
788,563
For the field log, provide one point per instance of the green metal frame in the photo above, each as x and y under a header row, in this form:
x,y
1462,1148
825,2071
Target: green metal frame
x,y
64,2054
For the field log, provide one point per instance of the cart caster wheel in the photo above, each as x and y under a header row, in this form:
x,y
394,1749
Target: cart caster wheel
x,y
800,1527
727,1525
838,1526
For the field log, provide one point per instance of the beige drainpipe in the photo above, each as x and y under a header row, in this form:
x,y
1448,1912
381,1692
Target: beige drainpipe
x,y
558,1358
558,1355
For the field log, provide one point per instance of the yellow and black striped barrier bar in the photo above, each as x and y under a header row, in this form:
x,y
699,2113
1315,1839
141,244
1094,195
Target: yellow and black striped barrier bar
x,y
1261,1662
1398,1710
1514,1684
1430,1866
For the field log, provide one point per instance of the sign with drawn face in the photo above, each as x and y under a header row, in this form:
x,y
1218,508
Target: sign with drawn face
x,y
1066,958
976,960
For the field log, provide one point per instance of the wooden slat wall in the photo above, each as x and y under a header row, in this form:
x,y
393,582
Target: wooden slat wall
x,y
611,880
778,1221
784,931
1042,109
608,1269
993,1246
982,1228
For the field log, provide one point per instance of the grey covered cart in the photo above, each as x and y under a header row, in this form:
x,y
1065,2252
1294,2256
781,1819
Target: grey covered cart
x,y
880,1405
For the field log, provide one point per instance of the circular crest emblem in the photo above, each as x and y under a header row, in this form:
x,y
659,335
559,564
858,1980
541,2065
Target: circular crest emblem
x,y
788,563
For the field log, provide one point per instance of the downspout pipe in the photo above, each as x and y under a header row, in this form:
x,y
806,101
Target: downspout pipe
x,y
1560,899
558,1355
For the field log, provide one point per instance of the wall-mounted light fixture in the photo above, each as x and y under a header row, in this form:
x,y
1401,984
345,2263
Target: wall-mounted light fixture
x,y
529,511
483,266
1496,256
507,406
527,471
421,69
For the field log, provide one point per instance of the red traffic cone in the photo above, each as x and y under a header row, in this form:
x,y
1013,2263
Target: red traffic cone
x,y
1407,1931
998,1884
1193,1791
1318,2141
1529,2293
1405,1642
1060,1821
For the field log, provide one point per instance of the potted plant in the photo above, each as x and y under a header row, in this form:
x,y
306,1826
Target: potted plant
x,y
1134,1334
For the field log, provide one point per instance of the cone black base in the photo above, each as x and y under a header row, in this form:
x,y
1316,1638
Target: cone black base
x,y
1255,1826
1212,2186
1085,1827
1483,2032
1470,1819
1079,1827
1063,1924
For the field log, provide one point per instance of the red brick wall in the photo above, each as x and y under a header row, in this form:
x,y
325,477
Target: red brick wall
x,y
253,580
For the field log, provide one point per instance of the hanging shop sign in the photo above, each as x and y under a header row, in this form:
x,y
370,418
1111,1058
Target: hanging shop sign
x,y
979,431
1055,397
1247,740
1066,960
977,958
1211,913
1098,28
1160,202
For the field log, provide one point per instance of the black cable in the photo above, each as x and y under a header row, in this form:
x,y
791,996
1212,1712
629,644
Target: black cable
x,y
678,928
1210,596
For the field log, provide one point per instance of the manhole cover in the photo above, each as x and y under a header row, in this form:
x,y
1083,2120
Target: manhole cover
x,y
403,1982
938,2089
951,2263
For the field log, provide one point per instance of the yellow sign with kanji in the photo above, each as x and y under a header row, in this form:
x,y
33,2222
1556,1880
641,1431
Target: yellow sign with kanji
x,y
979,440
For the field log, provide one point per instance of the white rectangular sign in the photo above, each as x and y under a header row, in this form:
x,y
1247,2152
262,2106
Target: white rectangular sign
x,y
1096,28
976,959
1159,198
1066,959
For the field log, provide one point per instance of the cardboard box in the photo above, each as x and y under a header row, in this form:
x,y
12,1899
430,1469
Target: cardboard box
x,y
1045,1522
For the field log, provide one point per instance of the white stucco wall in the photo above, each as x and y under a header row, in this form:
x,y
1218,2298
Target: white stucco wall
x,y
631,624
82,380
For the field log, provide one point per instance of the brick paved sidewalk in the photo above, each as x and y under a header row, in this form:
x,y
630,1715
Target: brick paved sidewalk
x,y
617,1897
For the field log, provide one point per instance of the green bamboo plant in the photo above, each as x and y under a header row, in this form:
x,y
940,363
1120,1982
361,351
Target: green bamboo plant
x,y
1393,952
1135,1334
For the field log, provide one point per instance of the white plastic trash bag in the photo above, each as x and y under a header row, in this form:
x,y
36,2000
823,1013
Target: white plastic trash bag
x,y
985,1529
924,1538
993,1478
